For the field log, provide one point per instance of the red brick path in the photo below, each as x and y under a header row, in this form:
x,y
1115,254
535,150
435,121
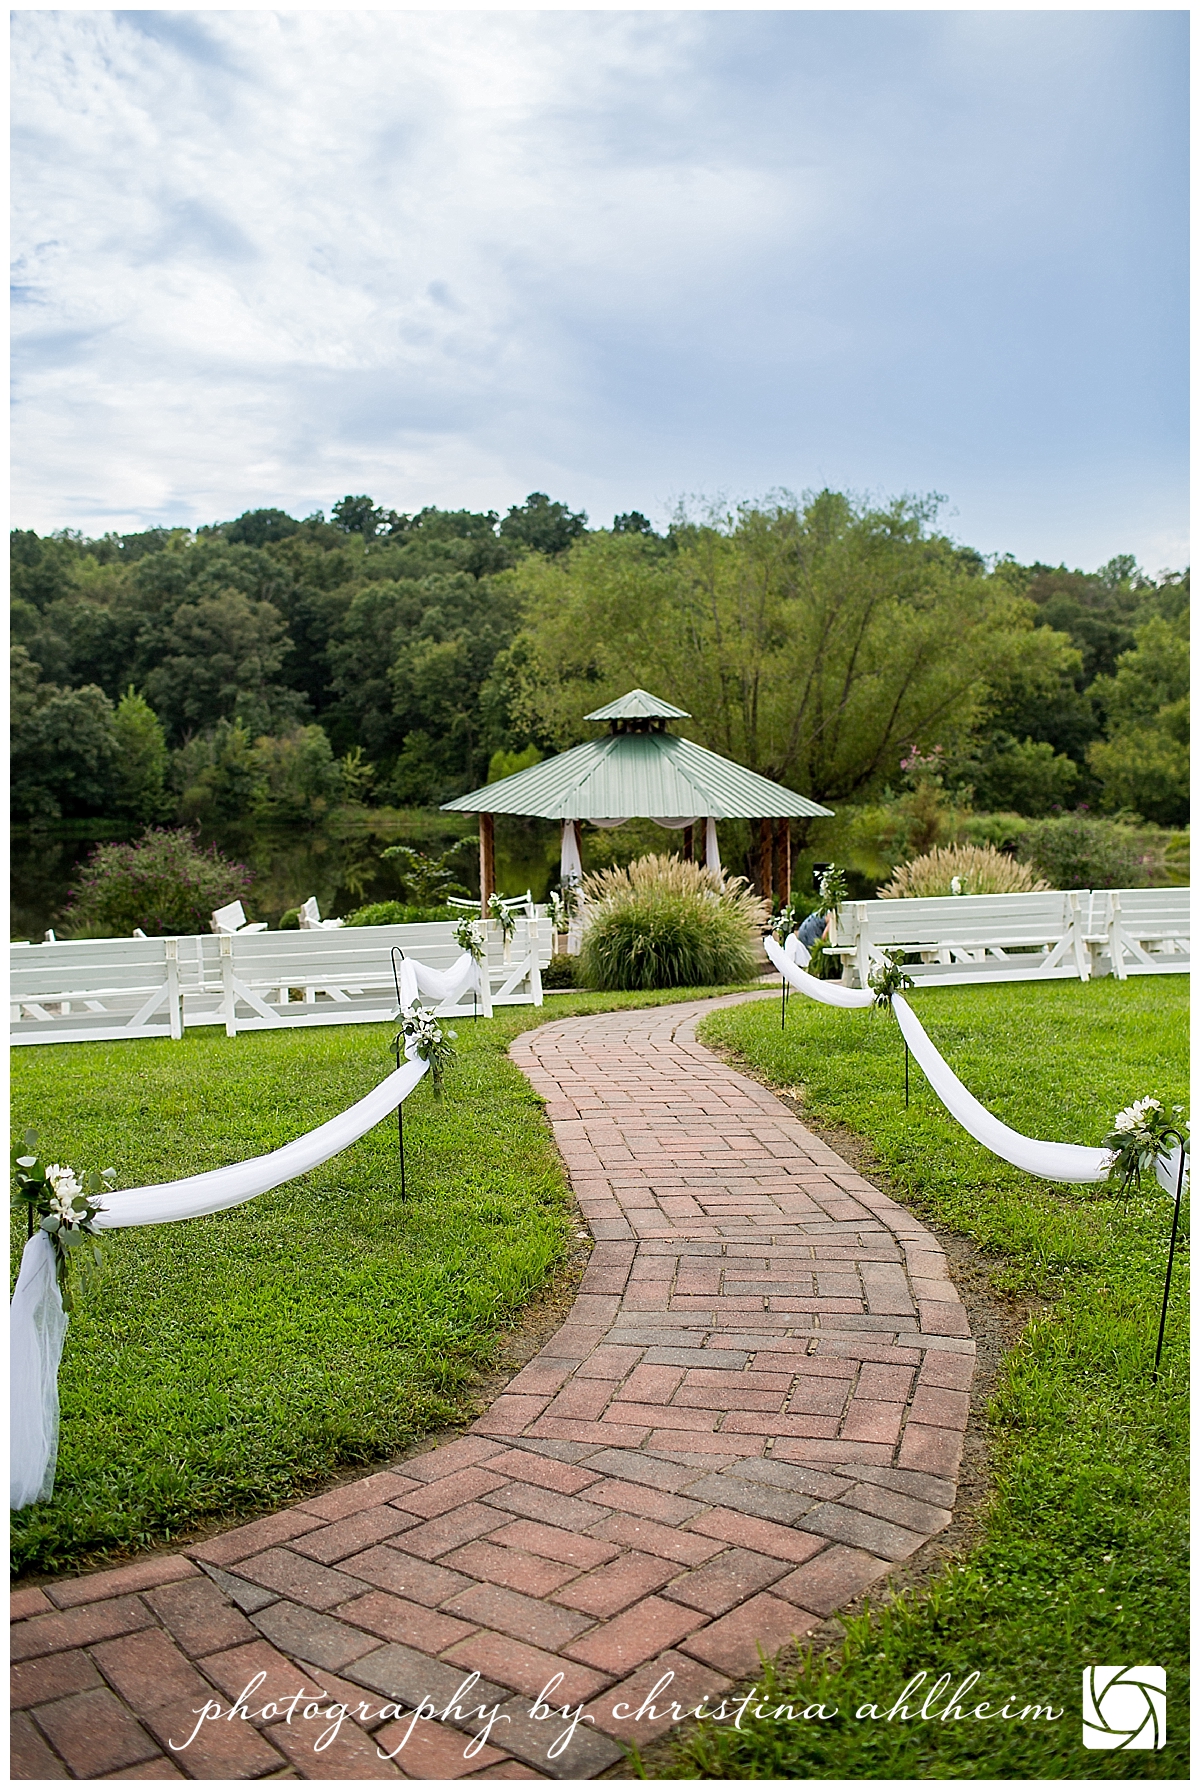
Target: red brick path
x,y
754,1409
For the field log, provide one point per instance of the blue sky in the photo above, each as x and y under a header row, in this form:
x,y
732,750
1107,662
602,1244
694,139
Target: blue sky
x,y
627,258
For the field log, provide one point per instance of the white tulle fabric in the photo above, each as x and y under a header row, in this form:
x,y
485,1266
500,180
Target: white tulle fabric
x,y
832,994
1037,1156
712,851
1075,1163
38,1324
37,1321
570,864
419,983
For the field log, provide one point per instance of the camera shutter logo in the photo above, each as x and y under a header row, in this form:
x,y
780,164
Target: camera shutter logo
x,y
1124,1707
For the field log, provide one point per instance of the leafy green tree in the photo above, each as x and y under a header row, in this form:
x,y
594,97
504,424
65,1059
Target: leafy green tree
x,y
632,523
409,662
41,569
65,751
362,516
143,760
1023,777
357,775
542,525
221,658
259,528
218,775
1080,851
507,764
1034,692
1146,770
1144,762
301,779
813,642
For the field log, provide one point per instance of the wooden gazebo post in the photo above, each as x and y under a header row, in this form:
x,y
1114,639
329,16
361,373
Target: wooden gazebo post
x,y
765,830
487,861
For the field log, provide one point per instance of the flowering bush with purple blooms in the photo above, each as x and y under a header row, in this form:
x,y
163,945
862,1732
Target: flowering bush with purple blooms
x,y
163,883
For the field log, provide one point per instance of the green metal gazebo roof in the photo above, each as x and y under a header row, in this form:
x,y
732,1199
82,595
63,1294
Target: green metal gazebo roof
x,y
638,774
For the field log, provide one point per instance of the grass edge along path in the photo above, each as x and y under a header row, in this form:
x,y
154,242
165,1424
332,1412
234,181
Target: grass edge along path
x,y
221,1367
1083,1554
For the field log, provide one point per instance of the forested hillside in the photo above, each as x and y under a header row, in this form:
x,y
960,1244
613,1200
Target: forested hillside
x,y
277,668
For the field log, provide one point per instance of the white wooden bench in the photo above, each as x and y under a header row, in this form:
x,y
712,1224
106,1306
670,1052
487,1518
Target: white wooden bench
x,y
249,981
1140,932
967,938
75,989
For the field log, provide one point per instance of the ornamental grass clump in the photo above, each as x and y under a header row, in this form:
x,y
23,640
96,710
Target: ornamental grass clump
x,y
962,870
665,923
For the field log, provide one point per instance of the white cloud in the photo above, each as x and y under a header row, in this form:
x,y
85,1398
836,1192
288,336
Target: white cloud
x,y
269,257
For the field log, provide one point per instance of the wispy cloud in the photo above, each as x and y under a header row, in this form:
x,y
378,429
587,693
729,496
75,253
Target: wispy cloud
x,y
270,257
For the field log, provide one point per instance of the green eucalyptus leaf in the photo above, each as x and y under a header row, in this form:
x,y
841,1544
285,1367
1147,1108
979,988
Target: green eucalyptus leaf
x,y
29,1139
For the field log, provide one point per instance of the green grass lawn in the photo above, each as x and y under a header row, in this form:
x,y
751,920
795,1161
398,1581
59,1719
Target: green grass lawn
x,y
221,1366
1082,1559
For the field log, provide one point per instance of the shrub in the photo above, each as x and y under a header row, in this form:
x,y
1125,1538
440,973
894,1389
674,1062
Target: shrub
x,y
289,920
664,923
1080,852
162,882
561,972
398,913
978,869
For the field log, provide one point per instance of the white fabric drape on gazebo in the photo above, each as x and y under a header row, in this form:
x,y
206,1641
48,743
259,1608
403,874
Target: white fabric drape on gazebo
x,y
571,866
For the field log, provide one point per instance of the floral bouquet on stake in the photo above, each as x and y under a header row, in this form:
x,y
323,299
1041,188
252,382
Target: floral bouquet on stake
x,y
562,905
787,920
832,890
59,1203
505,920
1139,1138
428,1040
469,936
890,979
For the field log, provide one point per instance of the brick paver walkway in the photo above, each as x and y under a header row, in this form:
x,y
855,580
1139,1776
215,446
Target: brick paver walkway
x,y
755,1408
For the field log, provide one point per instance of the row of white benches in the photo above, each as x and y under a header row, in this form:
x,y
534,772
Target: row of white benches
x,y
1011,938
71,991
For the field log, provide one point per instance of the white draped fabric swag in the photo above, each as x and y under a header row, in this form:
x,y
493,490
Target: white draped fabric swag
x,y
1074,1163
831,994
37,1322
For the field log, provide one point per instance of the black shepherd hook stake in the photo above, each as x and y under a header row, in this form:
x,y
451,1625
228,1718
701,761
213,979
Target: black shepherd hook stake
x,y
783,982
1162,1322
907,1054
398,953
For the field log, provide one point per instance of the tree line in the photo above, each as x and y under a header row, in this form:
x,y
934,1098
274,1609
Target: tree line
x,y
276,667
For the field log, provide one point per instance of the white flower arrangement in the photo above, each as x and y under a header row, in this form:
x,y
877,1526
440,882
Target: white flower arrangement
x,y
889,979
506,920
57,1200
469,936
1141,1135
424,1037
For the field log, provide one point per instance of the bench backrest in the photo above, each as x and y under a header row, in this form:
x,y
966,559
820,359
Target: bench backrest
x,y
1160,908
944,920
86,964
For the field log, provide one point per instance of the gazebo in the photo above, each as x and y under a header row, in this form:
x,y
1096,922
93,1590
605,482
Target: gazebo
x,y
640,770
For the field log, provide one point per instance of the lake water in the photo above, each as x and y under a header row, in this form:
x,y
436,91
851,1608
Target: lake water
x,y
341,868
